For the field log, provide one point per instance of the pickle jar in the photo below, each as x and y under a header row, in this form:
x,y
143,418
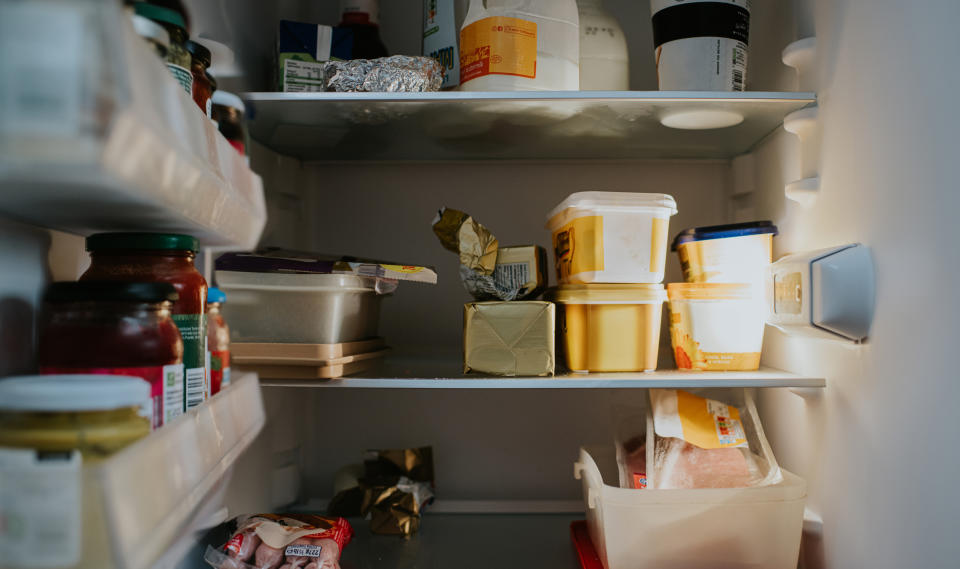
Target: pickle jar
x,y
178,58
95,414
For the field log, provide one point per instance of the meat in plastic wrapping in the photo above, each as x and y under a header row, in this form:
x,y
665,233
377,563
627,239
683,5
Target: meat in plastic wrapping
x,y
283,541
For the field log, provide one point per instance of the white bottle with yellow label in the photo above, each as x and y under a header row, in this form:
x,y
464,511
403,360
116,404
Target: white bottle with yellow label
x,y
520,45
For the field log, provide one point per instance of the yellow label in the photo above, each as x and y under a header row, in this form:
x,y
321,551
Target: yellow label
x,y
498,45
709,424
658,241
403,268
578,247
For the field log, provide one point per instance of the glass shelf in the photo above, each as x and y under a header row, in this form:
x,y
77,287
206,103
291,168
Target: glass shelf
x,y
551,125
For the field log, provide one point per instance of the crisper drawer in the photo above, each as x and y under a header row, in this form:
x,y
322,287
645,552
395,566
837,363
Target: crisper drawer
x,y
736,528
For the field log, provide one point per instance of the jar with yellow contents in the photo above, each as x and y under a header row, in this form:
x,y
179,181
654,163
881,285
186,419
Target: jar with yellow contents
x,y
96,415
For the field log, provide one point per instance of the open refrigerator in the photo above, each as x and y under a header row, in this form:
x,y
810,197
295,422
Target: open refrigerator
x,y
846,112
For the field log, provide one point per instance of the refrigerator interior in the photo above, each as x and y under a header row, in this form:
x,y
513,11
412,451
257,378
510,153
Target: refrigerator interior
x,y
880,493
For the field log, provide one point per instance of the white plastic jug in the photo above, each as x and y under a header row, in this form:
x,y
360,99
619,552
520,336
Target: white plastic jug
x,y
604,63
520,45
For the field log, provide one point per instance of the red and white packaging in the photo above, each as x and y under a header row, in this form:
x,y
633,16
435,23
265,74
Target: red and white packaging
x,y
283,541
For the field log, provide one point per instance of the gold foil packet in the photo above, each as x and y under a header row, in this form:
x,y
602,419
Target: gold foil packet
x,y
509,338
461,234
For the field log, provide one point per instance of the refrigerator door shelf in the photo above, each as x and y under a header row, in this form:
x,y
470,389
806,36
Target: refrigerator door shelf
x,y
827,293
97,135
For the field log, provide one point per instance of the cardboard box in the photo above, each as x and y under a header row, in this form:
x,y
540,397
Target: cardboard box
x,y
523,268
302,49
514,338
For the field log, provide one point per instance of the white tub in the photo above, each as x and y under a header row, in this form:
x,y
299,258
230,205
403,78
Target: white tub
x,y
611,237
735,528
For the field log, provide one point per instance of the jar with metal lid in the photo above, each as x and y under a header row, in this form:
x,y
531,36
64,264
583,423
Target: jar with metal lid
x,y
152,33
95,414
165,258
178,58
202,88
116,329
228,112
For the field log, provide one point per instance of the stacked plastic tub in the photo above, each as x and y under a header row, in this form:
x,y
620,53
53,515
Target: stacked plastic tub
x,y
610,250
717,315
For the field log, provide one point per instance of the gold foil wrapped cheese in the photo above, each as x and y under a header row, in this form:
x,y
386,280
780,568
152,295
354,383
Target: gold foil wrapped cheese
x,y
509,338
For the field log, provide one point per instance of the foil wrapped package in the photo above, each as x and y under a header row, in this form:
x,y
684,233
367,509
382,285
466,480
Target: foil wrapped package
x,y
394,488
394,74
509,338
488,271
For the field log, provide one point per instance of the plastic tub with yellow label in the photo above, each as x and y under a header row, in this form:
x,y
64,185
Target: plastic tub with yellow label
x,y
610,327
611,237
716,326
735,253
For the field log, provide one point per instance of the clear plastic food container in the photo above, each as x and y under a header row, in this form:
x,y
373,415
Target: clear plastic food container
x,y
610,327
693,529
611,237
716,326
300,308
735,253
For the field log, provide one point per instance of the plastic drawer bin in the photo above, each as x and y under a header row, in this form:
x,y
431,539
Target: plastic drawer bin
x,y
737,528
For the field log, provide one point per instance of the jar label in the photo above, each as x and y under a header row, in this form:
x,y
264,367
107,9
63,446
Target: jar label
x,y
40,499
498,46
219,370
193,330
166,387
183,76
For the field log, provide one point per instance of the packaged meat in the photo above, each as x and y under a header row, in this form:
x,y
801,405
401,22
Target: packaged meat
x,y
699,442
283,541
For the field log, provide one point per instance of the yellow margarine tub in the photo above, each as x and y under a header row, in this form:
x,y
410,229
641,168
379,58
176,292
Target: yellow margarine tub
x,y
611,237
94,414
716,326
610,327
735,253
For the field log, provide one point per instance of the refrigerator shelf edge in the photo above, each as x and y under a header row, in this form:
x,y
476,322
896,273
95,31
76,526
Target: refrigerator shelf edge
x,y
400,374
548,125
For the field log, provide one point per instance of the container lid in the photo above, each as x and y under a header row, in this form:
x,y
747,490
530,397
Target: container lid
x,y
160,14
603,293
199,52
150,30
215,295
722,231
614,200
57,393
711,291
110,292
228,99
142,241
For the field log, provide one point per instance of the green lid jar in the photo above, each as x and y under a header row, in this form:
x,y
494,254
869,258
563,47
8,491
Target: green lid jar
x,y
178,58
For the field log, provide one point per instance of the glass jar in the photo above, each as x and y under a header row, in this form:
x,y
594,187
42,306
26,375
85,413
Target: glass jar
x,y
166,258
94,414
153,33
202,88
116,329
178,58
228,112
362,17
218,339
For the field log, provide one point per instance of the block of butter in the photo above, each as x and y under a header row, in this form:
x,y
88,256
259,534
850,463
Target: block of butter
x,y
514,338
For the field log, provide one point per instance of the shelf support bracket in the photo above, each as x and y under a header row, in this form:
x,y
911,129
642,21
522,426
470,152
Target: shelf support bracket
x,y
805,123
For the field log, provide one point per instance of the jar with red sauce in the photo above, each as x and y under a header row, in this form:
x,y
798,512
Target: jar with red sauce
x,y
112,328
165,258
202,87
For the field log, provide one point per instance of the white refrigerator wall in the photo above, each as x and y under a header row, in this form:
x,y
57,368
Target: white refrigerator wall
x,y
878,447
